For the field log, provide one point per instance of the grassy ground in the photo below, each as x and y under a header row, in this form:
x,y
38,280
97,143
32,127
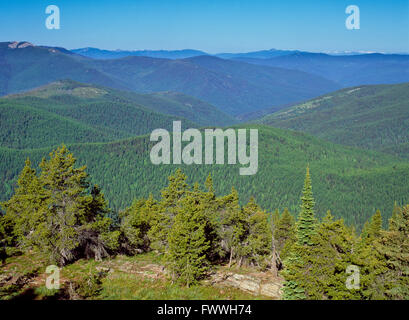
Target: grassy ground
x,y
125,278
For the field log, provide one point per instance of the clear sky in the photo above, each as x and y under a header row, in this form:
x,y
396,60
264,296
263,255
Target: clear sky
x,y
210,25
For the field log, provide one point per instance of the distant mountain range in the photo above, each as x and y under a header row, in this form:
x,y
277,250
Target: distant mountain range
x,y
232,86
345,68
96,53
350,70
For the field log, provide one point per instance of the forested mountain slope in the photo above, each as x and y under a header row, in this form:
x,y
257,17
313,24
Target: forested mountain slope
x,y
351,183
67,111
373,117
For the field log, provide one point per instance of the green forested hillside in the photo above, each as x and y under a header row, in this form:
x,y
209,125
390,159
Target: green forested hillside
x,y
22,126
373,117
350,182
128,112
181,105
70,112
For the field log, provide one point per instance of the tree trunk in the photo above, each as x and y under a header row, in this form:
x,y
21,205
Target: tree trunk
x,y
231,256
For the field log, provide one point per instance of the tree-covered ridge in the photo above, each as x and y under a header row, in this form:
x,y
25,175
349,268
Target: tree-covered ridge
x,y
352,182
71,112
372,117
71,95
58,212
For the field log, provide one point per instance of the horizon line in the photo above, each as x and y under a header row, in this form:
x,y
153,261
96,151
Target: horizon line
x,y
340,52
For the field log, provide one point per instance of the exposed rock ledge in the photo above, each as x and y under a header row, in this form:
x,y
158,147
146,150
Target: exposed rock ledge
x,y
257,284
20,45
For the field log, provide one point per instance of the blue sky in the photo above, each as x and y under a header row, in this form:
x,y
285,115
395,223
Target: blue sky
x,y
211,25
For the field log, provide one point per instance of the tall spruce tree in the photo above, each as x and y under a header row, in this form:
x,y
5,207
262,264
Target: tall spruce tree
x,y
294,287
306,220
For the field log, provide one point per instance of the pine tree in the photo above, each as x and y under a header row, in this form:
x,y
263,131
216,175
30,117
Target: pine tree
x,y
168,206
306,220
318,271
26,208
324,275
393,245
285,233
186,255
395,213
7,237
275,218
136,222
305,230
175,191
233,225
257,247
260,240
211,210
372,229
371,264
58,213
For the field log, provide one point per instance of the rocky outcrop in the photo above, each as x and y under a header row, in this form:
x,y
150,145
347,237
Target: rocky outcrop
x,y
257,284
20,45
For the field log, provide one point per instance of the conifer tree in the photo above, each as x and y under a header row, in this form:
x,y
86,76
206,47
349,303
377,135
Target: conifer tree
x,y
372,228
211,211
324,275
136,222
395,213
27,207
275,218
257,247
233,225
371,264
168,207
58,213
186,255
285,233
305,228
7,237
393,246
318,271
306,220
